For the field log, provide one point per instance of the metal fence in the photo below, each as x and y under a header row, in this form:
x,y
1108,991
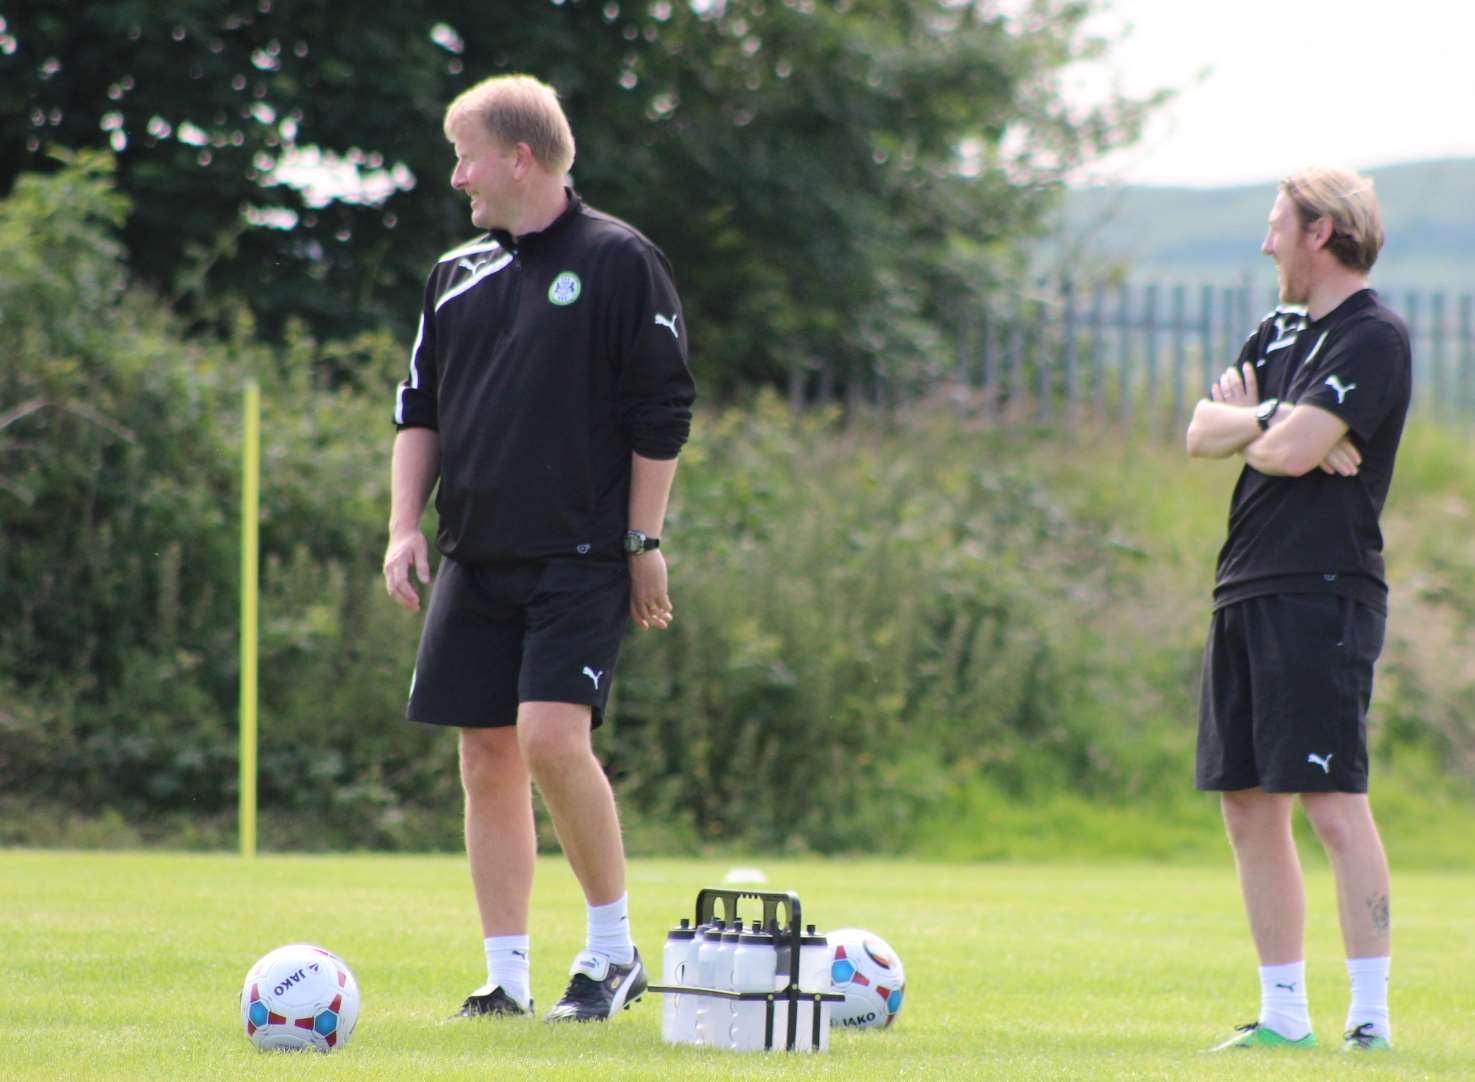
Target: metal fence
x,y
1141,355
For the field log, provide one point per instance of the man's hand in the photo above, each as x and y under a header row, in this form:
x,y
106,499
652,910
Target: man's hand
x,y
1223,424
403,551
650,607
1237,386
1343,459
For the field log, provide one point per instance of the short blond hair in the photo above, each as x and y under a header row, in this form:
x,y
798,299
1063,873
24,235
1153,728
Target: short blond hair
x,y
1348,200
517,109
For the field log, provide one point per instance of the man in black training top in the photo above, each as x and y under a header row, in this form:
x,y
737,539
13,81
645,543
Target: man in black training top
x,y
549,396
1315,406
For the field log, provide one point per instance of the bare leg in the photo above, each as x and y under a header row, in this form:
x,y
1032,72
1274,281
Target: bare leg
x,y
1344,823
1259,826
501,844
556,745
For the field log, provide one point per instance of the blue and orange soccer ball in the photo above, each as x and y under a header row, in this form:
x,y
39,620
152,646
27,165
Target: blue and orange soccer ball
x,y
868,973
298,998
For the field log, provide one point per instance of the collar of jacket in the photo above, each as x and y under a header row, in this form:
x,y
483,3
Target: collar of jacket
x,y
532,242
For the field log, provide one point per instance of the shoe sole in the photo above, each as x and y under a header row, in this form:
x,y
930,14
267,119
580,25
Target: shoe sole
x,y
1263,1039
462,1016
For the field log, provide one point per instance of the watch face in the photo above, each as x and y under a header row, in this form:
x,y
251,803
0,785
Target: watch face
x,y
634,542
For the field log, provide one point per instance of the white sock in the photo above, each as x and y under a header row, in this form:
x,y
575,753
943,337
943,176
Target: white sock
x,y
609,931
1369,994
507,965
1283,1002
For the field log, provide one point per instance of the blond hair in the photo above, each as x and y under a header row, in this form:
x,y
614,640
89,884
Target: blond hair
x,y
1349,202
517,109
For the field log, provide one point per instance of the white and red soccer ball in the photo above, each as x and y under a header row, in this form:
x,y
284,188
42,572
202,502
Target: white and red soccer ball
x,y
299,997
868,973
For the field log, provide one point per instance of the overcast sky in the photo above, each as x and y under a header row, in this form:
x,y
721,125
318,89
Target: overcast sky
x,y
1288,83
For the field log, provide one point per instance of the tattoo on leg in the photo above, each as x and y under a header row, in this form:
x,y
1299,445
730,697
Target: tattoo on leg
x,y
1377,907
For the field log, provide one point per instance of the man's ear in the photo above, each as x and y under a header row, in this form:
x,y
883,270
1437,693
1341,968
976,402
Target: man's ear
x,y
523,161
1321,230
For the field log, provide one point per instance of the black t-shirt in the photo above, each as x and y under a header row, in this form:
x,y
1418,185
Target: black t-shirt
x,y
1319,533
543,363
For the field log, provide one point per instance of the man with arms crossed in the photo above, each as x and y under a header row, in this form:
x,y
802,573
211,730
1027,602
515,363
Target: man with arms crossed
x,y
548,395
1315,406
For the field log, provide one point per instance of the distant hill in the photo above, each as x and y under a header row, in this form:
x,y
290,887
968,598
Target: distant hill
x,y
1212,235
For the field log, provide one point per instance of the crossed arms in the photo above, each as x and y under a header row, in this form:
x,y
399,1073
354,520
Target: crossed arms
x,y
1299,439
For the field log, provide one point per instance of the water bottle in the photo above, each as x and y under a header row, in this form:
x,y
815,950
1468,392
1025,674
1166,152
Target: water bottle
x,y
814,976
723,1008
709,1008
686,1010
754,969
673,972
783,963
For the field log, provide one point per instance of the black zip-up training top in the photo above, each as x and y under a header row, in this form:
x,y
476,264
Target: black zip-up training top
x,y
543,363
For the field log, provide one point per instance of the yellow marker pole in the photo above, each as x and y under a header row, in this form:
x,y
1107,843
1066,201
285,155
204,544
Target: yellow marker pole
x,y
250,509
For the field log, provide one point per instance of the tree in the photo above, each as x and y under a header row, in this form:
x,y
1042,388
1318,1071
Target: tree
x,y
836,183
203,106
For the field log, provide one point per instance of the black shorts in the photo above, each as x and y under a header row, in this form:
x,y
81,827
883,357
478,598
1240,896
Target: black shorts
x,y
1286,684
499,635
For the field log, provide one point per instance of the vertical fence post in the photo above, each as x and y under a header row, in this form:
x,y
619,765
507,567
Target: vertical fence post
x,y
1236,323
1467,356
1124,355
1071,351
1068,298
1013,363
1044,355
1180,353
1422,390
1437,358
1246,315
1206,338
1098,348
989,377
963,357
1149,330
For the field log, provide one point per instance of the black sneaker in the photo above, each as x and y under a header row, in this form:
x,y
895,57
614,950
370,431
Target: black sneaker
x,y
491,1000
598,989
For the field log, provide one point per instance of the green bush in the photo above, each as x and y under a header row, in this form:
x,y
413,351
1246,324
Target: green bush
x,y
864,619
117,562
120,558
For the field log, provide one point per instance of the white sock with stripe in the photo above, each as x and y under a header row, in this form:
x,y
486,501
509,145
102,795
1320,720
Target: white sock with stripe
x,y
1283,1001
1369,994
609,931
507,965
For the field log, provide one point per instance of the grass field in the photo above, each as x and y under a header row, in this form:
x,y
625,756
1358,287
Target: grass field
x,y
128,966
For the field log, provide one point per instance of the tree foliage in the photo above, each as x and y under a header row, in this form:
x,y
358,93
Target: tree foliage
x,y
835,182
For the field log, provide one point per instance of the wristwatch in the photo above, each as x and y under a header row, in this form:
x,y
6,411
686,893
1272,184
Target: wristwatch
x,y
636,542
1266,410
